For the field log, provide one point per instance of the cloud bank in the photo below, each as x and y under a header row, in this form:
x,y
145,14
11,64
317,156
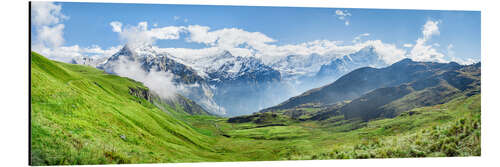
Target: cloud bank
x,y
47,20
158,81
243,43
422,51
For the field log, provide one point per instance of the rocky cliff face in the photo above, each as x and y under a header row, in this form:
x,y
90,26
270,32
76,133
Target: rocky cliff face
x,y
184,103
141,93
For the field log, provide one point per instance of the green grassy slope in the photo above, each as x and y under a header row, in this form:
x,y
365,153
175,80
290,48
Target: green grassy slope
x,y
81,115
450,129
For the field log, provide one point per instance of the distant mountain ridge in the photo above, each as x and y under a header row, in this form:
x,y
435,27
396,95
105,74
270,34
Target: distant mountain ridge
x,y
153,61
337,67
388,92
90,61
363,80
442,87
366,57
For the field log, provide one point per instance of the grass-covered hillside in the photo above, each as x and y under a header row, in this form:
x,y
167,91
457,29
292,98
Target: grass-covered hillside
x,y
81,115
449,129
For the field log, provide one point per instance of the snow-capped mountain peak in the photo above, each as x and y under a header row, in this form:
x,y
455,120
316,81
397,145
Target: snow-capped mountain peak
x,y
218,79
365,57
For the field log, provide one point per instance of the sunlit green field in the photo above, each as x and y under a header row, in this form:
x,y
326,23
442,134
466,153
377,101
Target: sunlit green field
x,y
80,115
451,129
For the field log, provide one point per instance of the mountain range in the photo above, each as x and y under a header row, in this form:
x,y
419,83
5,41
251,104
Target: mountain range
x,y
225,84
372,93
363,80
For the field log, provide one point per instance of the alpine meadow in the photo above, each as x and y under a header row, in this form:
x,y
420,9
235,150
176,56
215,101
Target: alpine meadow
x,y
159,83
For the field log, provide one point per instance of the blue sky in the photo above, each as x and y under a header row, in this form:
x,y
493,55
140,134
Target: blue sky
x,y
87,25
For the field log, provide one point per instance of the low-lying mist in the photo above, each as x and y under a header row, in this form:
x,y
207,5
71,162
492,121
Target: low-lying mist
x,y
226,99
164,83
229,100
159,82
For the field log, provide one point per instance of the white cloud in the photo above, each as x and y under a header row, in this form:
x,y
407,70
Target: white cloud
x,y
387,52
407,45
158,81
67,53
343,15
51,36
47,21
466,61
47,18
358,38
46,13
228,37
185,20
200,34
170,32
142,26
243,43
430,28
142,35
117,26
423,52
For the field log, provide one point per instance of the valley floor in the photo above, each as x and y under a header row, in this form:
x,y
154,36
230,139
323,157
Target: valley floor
x,y
450,129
